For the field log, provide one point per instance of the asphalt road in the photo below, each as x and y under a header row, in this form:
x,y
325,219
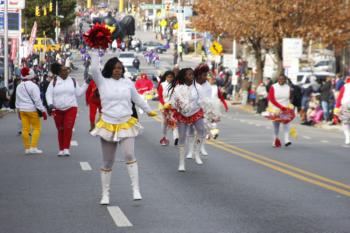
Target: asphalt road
x,y
244,186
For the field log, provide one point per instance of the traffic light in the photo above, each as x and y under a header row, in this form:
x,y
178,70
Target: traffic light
x,y
37,11
50,7
44,11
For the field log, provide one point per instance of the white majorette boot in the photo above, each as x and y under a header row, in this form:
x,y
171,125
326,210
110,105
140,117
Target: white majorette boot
x,y
176,136
181,159
106,182
191,147
197,154
203,151
133,171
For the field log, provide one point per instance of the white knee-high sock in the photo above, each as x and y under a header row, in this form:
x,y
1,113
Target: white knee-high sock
x,y
346,129
276,129
286,128
175,133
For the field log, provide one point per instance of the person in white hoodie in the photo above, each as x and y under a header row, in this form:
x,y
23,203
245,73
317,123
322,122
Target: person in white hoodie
x,y
117,127
342,109
28,102
61,97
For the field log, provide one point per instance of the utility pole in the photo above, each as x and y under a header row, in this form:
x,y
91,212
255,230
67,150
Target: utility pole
x,y
6,45
56,28
154,14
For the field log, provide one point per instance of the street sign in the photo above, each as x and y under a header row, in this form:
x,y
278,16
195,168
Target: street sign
x,y
292,49
13,4
13,21
216,48
151,6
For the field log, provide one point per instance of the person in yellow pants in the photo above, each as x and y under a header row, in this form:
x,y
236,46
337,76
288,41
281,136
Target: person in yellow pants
x,y
27,102
30,120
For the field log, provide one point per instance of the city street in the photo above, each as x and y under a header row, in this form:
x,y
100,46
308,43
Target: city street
x,y
244,185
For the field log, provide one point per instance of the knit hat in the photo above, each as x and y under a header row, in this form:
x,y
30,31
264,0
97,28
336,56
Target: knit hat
x,y
27,73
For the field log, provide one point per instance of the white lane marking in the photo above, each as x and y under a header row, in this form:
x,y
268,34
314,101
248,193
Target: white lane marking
x,y
307,137
250,123
74,143
119,217
324,141
268,127
85,166
258,125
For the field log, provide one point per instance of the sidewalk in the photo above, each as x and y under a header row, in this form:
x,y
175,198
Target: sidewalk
x,y
250,109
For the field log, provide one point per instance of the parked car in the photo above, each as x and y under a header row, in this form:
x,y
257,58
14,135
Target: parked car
x,y
327,66
126,58
311,77
152,45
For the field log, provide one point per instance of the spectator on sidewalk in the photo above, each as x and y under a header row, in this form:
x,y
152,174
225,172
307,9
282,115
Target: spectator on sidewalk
x,y
261,94
244,91
180,49
326,95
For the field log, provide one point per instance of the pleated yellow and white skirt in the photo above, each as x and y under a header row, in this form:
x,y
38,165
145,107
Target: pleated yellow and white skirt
x,y
117,132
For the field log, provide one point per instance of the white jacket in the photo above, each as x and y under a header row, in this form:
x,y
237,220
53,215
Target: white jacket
x,y
28,92
64,96
116,96
187,99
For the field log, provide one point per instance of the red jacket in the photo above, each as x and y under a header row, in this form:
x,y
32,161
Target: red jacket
x,y
143,85
91,95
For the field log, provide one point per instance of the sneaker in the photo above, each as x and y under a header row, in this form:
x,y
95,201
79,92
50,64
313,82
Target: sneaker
x,y
27,151
176,142
164,141
60,153
288,144
66,152
35,151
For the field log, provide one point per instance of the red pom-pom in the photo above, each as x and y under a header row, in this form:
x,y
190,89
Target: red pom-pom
x,y
24,71
98,37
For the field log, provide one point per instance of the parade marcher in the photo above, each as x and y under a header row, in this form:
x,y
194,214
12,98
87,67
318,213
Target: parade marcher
x,y
212,100
169,120
28,102
61,97
143,86
343,109
92,98
280,110
186,97
116,126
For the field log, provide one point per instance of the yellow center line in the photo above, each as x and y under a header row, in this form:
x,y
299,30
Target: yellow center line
x,y
282,167
322,178
285,171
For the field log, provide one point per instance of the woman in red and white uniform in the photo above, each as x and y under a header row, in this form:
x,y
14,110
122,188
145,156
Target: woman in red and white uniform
x,y
169,120
281,109
186,97
342,109
212,98
61,97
